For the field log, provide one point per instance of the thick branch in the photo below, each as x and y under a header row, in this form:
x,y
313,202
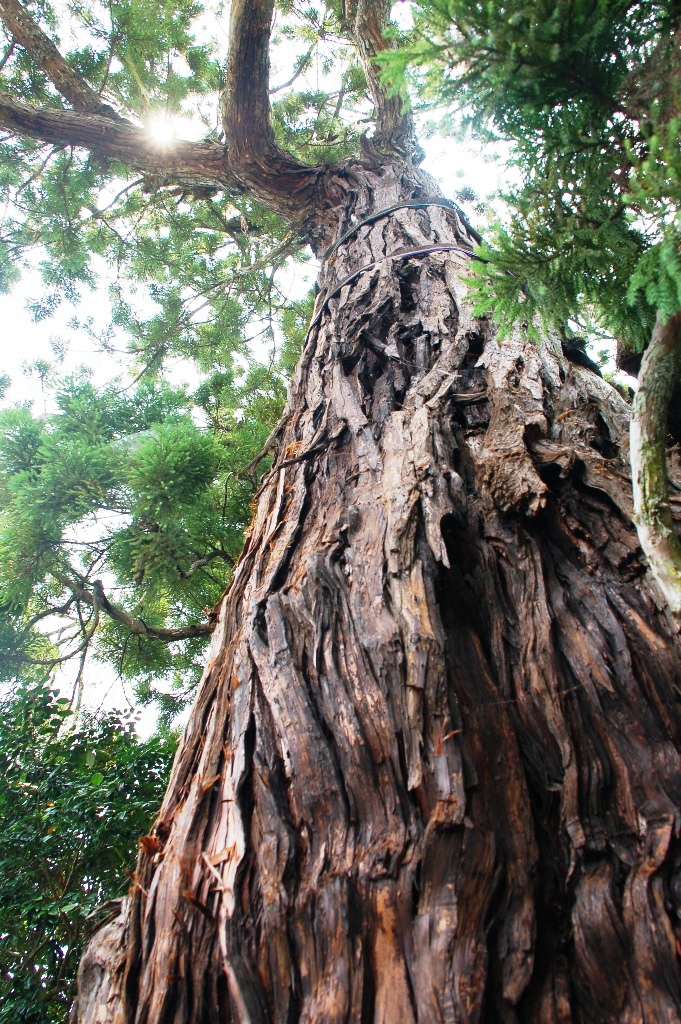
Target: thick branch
x,y
367,21
193,163
253,155
97,599
48,58
659,372
246,101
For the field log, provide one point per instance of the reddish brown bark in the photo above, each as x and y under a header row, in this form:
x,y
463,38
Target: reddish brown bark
x,y
433,771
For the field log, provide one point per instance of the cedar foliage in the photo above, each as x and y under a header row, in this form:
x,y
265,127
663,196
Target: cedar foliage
x,y
587,94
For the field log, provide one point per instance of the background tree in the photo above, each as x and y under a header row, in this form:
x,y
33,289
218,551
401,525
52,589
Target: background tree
x,y
73,804
588,95
433,769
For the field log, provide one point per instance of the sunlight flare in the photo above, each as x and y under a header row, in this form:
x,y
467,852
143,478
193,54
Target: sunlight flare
x,y
162,129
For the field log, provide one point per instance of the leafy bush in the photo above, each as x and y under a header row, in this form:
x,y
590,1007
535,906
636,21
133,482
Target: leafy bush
x,y
73,803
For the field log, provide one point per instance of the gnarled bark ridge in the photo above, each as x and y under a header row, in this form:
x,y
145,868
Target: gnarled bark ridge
x,y
433,772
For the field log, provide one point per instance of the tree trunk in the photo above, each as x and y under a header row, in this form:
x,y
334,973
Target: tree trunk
x,y
433,770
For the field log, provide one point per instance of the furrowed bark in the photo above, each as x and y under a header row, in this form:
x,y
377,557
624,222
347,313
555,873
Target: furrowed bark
x,y
433,773
70,84
660,369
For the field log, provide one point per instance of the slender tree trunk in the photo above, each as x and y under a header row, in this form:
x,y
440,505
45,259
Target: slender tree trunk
x,y
433,770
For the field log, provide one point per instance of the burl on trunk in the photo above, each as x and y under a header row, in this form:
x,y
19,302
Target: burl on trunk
x,y
433,769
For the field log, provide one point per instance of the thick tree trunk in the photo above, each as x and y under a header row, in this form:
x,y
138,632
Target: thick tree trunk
x,y
433,772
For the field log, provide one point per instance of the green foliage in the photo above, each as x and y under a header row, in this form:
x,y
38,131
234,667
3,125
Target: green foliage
x,y
205,258
73,804
586,92
140,488
144,53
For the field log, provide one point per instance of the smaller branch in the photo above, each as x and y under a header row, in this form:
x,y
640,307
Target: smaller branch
x,y
303,65
264,452
63,609
8,53
253,156
659,373
139,627
89,629
98,600
201,562
70,84
367,21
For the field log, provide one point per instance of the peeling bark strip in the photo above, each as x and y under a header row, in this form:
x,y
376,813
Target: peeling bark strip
x,y
433,773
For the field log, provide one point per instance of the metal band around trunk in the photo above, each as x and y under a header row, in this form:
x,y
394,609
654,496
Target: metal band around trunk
x,y
393,256
444,204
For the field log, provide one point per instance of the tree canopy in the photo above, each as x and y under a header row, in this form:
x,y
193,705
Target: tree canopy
x,y
586,93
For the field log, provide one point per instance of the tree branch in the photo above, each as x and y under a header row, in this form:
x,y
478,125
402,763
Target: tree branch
x,y
659,373
253,155
191,163
48,58
251,162
201,562
139,627
303,65
98,600
367,21
8,53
